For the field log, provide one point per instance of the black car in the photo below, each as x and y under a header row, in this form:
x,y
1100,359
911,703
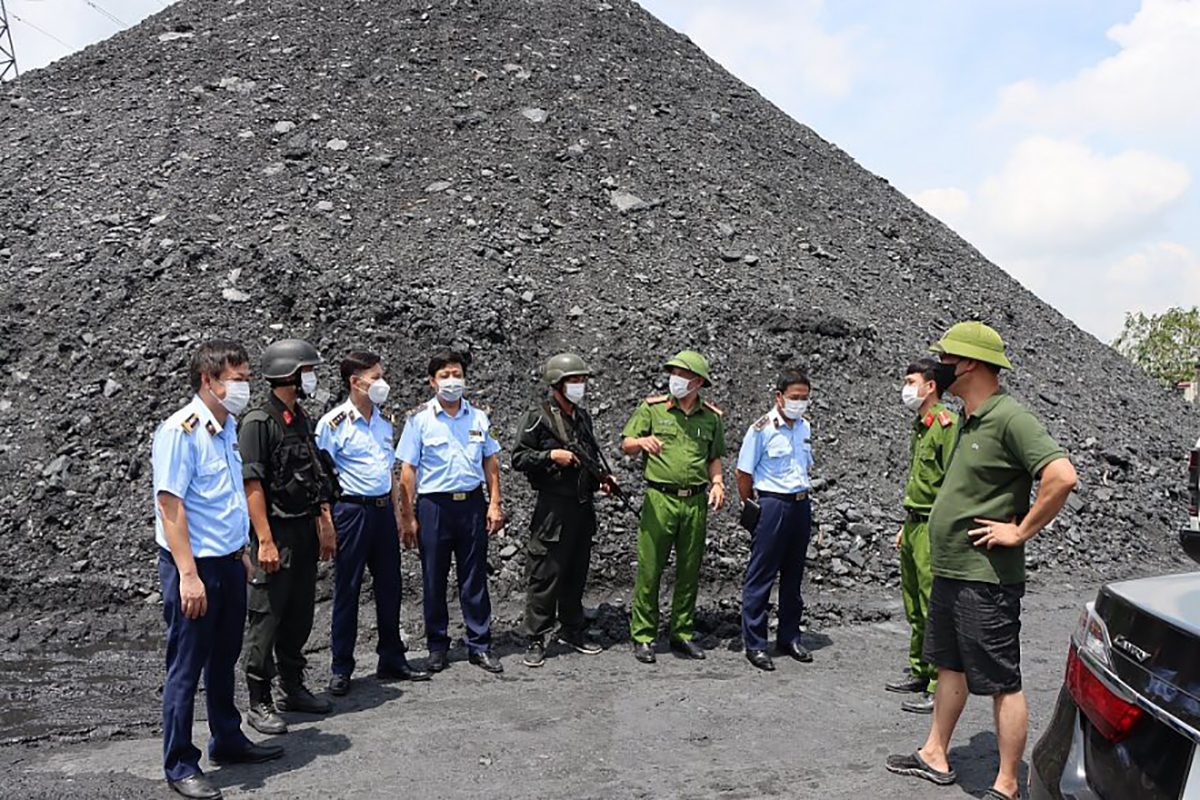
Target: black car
x,y
1127,723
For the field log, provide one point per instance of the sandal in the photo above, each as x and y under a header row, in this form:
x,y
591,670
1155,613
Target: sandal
x,y
915,766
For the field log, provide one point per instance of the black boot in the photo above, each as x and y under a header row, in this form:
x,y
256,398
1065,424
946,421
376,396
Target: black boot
x,y
297,697
262,715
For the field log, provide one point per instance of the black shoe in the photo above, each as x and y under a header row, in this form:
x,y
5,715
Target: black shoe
x,y
580,643
196,786
644,652
535,653
795,650
339,685
688,649
438,660
264,719
488,661
919,705
761,659
297,697
251,754
909,684
404,672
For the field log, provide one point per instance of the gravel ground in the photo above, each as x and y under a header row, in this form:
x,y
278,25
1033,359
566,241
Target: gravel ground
x,y
597,727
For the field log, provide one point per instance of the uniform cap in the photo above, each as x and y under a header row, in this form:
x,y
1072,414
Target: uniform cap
x,y
285,358
562,366
693,362
976,341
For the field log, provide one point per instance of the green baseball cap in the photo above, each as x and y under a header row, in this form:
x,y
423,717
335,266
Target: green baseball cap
x,y
973,340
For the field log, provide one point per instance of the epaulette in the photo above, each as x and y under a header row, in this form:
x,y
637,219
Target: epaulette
x,y
944,419
189,424
414,410
337,420
928,421
658,398
763,422
392,418
715,409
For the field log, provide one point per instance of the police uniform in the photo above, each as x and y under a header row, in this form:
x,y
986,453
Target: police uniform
x,y
448,453
367,535
929,455
779,457
564,518
675,510
278,449
196,459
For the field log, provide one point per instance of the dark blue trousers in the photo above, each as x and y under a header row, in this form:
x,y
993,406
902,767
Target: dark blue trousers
x,y
779,546
459,528
209,644
367,538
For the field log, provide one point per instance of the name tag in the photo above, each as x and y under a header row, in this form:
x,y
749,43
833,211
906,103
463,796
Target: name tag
x,y
475,437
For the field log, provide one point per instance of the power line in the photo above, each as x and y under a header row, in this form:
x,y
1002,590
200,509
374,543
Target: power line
x,y
113,18
44,32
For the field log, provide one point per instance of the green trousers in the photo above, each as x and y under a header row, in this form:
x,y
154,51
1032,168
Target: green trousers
x,y
667,522
916,582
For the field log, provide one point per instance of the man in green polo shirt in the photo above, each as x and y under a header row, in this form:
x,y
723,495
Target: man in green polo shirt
x,y
681,440
977,531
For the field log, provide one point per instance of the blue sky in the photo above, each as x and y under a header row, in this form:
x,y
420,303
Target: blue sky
x,y
1061,137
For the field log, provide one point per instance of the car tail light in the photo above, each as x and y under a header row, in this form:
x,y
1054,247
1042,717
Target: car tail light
x,y
1112,717
1091,634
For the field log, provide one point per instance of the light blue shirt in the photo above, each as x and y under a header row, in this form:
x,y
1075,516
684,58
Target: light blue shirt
x,y
777,455
197,460
361,449
447,451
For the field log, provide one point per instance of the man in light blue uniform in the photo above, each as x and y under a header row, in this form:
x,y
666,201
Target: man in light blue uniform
x,y
359,438
774,465
202,525
448,457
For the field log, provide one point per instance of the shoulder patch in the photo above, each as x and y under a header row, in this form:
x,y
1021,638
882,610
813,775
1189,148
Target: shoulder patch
x,y
714,408
658,398
189,424
762,422
337,420
944,419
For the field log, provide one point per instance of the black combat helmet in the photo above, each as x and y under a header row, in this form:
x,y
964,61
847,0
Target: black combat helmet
x,y
285,358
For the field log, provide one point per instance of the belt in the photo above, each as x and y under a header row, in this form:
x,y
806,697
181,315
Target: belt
x,y
795,497
379,501
457,497
678,491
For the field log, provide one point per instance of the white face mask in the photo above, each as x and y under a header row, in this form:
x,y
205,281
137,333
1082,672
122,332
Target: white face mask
x,y
575,392
911,398
237,396
794,409
378,391
451,389
308,383
679,386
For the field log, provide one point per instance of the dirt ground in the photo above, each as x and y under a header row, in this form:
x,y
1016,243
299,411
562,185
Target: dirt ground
x,y
581,727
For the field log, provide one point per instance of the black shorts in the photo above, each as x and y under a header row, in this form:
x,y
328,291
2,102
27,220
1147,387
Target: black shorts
x,y
975,628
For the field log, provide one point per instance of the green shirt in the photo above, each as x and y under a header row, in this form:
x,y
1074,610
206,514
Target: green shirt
x,y
1001,448
690,441
929,453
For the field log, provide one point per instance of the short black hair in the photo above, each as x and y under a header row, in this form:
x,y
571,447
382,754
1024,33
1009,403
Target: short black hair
x,y
357,362
443,357
925,367
212,357
791,377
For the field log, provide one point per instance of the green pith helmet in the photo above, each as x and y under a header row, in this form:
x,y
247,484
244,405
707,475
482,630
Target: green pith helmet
x,y
693,362
562,366
974,340
285,358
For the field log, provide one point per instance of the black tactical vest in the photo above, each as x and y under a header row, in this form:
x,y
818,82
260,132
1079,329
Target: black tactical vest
x,y
302,475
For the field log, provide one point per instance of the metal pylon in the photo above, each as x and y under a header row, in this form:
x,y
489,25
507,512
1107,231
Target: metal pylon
x,y
8,55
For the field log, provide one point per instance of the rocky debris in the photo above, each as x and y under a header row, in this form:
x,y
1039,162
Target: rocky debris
x,y
140,220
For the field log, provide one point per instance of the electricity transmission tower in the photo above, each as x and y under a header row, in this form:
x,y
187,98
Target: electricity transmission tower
x,y
8,55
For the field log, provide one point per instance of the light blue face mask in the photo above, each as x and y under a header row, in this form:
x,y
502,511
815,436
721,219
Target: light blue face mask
x,y
451,389
794,409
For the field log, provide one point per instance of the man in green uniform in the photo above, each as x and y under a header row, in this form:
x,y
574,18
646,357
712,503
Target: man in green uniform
x,y
554,435
681,440
977,533
289,486
932,441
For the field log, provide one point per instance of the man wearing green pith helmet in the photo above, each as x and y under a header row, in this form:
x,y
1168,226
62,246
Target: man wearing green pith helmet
x,y
681,440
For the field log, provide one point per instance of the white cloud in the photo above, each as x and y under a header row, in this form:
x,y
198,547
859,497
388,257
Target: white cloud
x,y
778,48
1149,86
948,204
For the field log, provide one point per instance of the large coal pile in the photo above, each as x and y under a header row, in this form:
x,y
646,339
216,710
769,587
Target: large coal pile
x,y
512,178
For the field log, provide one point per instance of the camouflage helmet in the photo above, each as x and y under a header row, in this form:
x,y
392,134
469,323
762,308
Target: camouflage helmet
x,y
285,358
563,365
692,362
976,341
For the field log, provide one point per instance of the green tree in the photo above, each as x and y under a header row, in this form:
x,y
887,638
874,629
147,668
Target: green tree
x,y
1166,345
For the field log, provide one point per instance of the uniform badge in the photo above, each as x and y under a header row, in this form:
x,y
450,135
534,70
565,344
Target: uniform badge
x,y
189,424
288,419
928,421
944,419
333,423
212,429
475,437
762,422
